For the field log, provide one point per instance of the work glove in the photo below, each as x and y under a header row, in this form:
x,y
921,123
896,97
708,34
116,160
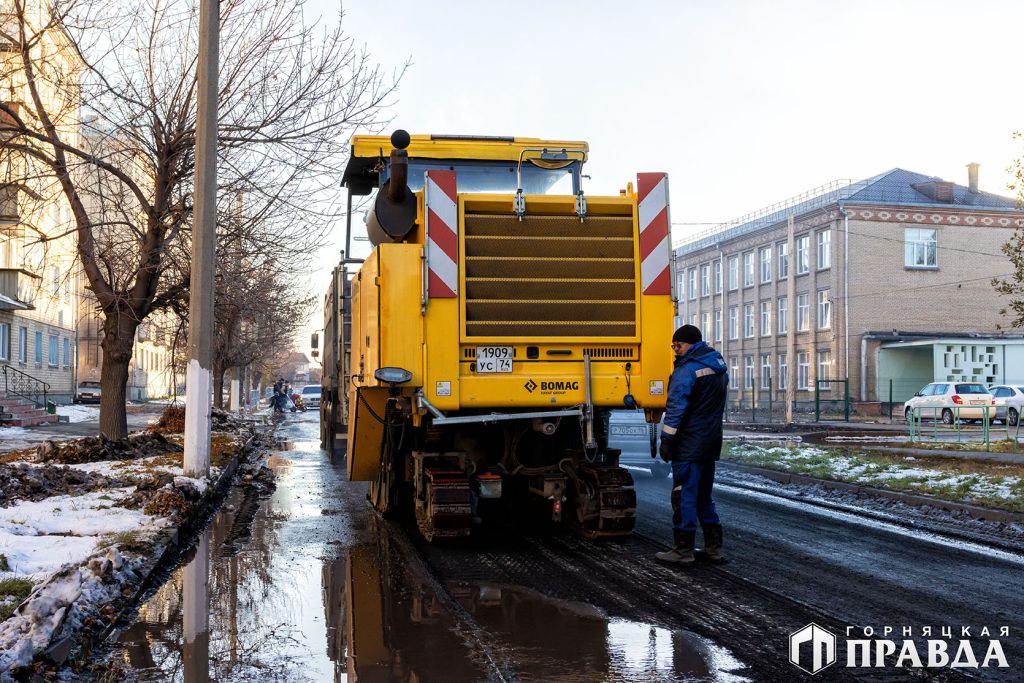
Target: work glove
x,y
665,449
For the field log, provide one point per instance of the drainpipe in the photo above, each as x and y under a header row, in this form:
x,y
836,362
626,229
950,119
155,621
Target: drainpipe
x,y
846,302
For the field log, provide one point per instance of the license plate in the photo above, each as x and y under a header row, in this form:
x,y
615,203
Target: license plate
x,y
979,403
494,359
627,431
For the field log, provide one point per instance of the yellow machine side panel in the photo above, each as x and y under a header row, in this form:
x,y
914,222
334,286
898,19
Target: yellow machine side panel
x,y
365,433
400,277
656,355
441,354
369,312
369,655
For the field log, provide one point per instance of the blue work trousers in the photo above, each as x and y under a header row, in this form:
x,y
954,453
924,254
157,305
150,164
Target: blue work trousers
x,y
692,504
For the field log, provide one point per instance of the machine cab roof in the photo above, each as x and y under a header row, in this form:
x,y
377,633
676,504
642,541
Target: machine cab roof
x,y
483,164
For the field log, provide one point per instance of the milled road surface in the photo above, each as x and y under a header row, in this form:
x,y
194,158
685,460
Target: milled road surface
x,y
857,570
308,584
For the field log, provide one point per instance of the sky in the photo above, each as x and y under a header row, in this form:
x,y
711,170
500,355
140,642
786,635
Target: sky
x,y
744,103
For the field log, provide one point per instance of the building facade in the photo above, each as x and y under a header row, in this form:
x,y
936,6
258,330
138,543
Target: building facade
x,y
884,282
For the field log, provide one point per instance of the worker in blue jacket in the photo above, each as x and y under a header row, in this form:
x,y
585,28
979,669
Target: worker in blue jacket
x,y
691,439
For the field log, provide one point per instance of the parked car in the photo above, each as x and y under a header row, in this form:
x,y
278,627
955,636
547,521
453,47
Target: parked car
x,y
949,400
311,395
1009,402
627,430
88,391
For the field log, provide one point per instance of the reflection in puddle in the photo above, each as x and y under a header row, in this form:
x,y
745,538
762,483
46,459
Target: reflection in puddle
x,y
400,629
307,586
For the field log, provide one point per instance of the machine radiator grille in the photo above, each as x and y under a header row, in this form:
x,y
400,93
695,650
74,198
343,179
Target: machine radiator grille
x,y
549,276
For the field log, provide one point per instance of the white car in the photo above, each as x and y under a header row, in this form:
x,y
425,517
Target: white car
x,y
311,395
1009,402
951,400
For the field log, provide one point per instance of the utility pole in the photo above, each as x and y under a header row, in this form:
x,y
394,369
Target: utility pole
x,y
204,243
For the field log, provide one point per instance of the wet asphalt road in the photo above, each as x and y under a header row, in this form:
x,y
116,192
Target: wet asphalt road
x,y
859,571
308,585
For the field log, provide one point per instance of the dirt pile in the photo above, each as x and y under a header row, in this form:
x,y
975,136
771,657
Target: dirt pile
x,y
172,421
21,481
99,448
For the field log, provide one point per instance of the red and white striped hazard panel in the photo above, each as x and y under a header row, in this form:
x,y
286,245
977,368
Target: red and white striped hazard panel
x,y
442,234
655,249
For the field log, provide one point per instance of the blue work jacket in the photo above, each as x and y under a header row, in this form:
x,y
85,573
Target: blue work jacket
x,y
695,405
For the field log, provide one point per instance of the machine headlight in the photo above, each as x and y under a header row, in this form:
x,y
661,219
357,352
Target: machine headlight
x,y
392,375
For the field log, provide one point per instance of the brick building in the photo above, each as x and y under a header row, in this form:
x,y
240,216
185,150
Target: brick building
x,y
883,279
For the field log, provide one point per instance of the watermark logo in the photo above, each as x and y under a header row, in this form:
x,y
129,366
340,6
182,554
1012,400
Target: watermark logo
x,y
812,648
530,385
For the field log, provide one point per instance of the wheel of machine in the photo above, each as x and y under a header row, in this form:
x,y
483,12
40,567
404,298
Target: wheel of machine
x,y
660,470
383,490
947,417
603,502
1012,416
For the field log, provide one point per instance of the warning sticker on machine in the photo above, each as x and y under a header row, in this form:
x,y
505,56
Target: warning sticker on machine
x,y
443,389
657,387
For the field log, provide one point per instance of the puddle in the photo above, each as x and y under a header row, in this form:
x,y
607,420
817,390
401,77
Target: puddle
x,y
306,585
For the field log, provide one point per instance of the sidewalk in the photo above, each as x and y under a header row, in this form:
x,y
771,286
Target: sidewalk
x,y
16,438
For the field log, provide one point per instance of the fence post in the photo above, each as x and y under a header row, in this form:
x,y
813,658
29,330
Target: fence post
x,y
769,398
846,397
890,399
817,402
753,406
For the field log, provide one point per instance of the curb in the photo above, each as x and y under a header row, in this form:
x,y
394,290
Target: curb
x,y
172,545
975,511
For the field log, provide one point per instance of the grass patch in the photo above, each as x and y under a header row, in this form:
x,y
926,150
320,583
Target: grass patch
x,y
125,540
979,482
12,593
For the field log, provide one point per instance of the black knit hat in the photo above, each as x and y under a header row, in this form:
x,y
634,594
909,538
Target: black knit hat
x,y
688,334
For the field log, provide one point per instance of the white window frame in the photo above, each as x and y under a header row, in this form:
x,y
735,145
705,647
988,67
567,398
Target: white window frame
x,y
734,273
766,370
53,357
803,370
824,310
783,260
748,321
803,312
39,350
803,246
783,371
718,324
693,319
766,318
825,364
705,323
22,344
748,269
765,258
782,310
734,322
734,368
5,341
67,352
717,269
691,281
921,248
824,242
705,280
748,372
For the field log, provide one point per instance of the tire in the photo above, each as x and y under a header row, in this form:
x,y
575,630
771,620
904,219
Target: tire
x,y
660,470
1012,416
908,413
947,416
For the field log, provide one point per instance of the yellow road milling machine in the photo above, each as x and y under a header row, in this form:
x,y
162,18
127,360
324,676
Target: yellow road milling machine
x,y
499,318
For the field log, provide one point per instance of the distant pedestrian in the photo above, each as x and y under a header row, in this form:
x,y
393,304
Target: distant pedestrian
x,y
691,439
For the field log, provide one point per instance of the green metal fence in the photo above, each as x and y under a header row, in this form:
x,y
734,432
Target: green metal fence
x,y
946,424
827,383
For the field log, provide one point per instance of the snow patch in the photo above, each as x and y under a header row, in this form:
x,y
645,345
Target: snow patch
x,y
77,413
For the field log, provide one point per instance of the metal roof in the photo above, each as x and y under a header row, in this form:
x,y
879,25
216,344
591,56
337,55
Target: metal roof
x,y
894,187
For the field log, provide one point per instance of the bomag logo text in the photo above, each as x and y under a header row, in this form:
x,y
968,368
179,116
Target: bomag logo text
x,y
559,386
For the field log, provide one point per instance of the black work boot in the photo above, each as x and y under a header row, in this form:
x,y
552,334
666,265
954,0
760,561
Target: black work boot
x,y
713,543
682,553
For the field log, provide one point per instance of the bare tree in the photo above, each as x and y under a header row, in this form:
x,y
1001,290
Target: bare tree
x,y
290,96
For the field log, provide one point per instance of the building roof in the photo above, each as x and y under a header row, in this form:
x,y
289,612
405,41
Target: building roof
x,y
896,187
